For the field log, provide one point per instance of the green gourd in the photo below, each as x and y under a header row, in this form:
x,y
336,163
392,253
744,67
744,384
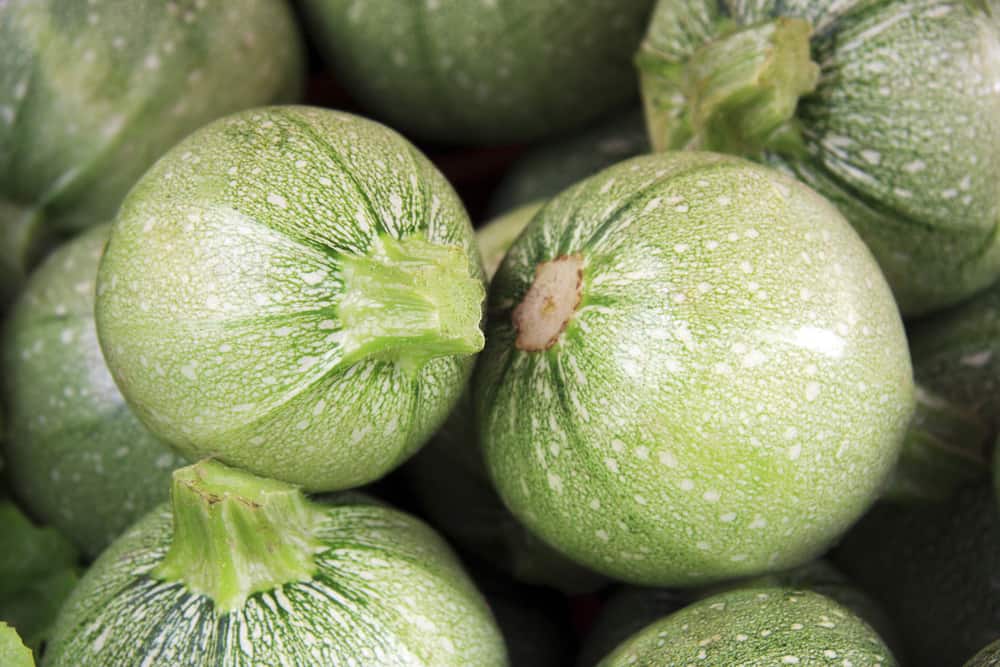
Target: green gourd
x,y
242,571
756,627
92,93
694,371
483,71
77,457
890,109
294,291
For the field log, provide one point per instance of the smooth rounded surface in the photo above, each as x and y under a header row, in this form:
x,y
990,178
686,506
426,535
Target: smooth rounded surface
x,y
225,293
731,392
483,71
755,627
77,457
92,93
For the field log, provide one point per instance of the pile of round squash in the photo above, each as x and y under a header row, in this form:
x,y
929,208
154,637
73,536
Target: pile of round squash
x,y
499,332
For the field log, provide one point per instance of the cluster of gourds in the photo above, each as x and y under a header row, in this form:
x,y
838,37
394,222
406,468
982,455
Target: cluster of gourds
x,y
676,359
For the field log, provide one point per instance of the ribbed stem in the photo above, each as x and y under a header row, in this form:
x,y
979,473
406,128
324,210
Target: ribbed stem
x,y
236,534
410,301
945,447
736,94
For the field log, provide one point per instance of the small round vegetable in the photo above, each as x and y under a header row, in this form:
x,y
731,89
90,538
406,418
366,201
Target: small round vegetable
x,y
694,371
295,291
78,458
755,627
933,567
889,109
246,571
486,71
91,93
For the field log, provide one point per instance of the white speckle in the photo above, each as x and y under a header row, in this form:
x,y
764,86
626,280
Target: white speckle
x,y
903,193
314,277
668,459
812,391
397,204
277,200
704,546
829,654
66,336
327,325
325,181
555,482
819,340
602,535
595,504
152,61
617,445
305,363
871,157
680,247
742,637
189,370
642,452
164,461
754,358
915,166
796,626
746,267
728,517
738,557
758,522
978,359
639,499
652,205
950,193
724,200
301,164
711,496
686,484
612,465
319,407
283,331
682,208
790,660
794,452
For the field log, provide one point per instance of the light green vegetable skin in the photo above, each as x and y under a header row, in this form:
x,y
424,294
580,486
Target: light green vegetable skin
x,y
483,71
890,109
694,371
77,456
294,291
91,93
756,627
246,571
12,652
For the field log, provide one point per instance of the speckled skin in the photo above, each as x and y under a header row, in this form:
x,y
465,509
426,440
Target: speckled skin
x,y
552,167
78,459
483,71
756,627
91,93
388,591
902,132
934,568
218,296
731,391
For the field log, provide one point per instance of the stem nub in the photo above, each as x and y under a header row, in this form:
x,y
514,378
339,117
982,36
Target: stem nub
x,y
410,301
236,534
735,94
550,303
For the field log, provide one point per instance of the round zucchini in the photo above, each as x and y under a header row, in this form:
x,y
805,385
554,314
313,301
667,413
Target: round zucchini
x,y
77,457
889,109
694,371
484,71
245,571
756,627
294,291
92,93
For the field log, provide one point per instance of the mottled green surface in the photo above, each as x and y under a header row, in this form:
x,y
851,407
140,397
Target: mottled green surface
x,y
756,627
38,569
483,71
221,297
934,569
731,391
387,591
12,652
454,489
77,457
91,93
544,171
902,132
988,657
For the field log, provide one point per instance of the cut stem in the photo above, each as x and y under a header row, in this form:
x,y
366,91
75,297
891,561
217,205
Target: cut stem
x,y
410,301
236,534
736,93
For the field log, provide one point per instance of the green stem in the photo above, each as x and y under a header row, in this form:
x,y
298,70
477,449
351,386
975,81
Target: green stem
x,y
236,534
945,448
736,93
409,301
